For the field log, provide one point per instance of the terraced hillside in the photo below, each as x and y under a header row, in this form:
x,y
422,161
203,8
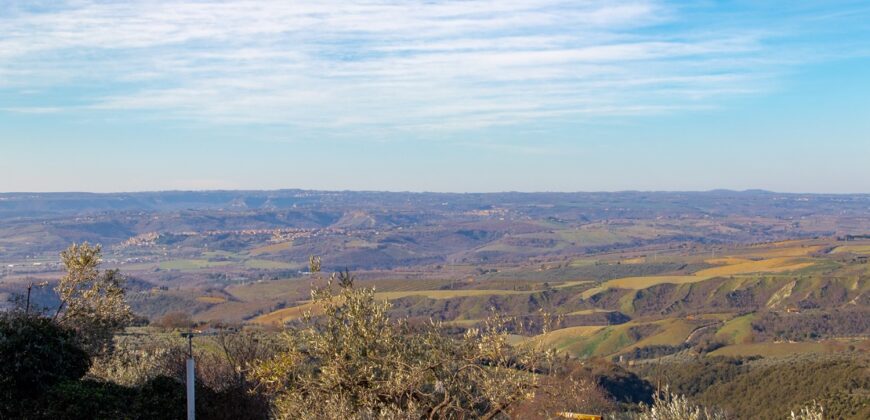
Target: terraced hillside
x,y
745,299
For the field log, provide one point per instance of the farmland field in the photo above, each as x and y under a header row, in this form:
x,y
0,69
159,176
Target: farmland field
x,y
856,249
733,266
737,330
211,299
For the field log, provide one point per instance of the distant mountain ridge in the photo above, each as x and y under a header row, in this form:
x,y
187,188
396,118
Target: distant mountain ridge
x,y
14,205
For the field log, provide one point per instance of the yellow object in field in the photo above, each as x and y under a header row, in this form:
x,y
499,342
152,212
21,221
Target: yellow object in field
x,y
578,416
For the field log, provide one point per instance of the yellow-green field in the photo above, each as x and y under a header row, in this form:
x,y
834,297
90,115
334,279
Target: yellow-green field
x,y
229,311
567,338
282,315
594,341
589,312
737,330
771,265
272,248
855,249
734,266
211,299
272,265
445,294
797,248
674,331
572,283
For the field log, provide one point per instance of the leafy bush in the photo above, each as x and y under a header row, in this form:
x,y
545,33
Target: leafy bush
x,y
92,301
35,354
85,399
356,362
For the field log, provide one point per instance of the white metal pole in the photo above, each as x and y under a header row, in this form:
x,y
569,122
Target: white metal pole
x,y
191,410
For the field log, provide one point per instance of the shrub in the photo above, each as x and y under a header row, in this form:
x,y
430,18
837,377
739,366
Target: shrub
x,y
35,354
668,406
175,319
85,399
356,362
92,301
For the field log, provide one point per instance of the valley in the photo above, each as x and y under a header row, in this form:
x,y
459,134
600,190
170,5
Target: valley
x,y
620,273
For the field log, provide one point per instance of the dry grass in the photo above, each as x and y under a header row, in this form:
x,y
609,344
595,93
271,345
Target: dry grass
x,y
572,283
281,316
738,266
772,265
211,299
855,249
785,249
230,311
271,249
588,312
446,294
727,261
644,282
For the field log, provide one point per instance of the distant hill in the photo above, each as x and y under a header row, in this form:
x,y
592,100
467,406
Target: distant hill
x,y
616,204
368,229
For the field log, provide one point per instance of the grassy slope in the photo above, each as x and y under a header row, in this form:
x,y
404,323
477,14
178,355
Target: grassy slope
x,y
734,266
737,330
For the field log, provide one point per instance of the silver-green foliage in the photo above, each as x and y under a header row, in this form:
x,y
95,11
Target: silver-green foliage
x,y
92,300
814,411
669,406
354,361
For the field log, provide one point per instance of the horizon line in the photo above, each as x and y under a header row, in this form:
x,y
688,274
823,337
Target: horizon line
x,y
267,190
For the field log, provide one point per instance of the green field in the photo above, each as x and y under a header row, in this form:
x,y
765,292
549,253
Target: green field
x,y
192,264
737,330
272,265
446,294
597,341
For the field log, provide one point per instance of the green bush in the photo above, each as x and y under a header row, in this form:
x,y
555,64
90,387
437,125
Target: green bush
x,y
159,398
35,354
85,399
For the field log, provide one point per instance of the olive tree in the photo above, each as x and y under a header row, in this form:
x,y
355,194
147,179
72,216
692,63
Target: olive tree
x,y
92,301
353,360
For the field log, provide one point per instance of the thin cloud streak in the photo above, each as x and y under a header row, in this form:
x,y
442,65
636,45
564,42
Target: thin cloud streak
x,y
395,66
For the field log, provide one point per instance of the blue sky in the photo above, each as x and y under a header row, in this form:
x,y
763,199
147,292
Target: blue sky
x,y
476,95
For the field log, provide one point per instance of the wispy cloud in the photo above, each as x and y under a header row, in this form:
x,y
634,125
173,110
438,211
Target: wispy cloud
x,y
389,65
